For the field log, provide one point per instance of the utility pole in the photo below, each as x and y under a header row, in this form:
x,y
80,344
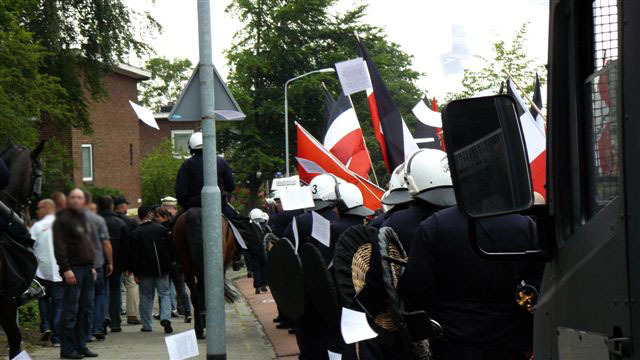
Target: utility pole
x,y
211,228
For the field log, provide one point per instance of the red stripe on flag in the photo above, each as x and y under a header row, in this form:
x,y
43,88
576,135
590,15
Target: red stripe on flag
x,y
539,173
311,149
351,147
377,129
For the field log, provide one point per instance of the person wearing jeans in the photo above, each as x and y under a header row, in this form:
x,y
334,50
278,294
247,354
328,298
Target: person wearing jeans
x,y
119,236
75,255
48,272
151,262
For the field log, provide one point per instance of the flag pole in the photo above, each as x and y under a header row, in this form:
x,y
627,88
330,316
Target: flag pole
x,y
525,95
375,177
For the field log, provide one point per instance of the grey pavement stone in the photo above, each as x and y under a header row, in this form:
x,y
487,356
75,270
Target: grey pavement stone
x,y
244,334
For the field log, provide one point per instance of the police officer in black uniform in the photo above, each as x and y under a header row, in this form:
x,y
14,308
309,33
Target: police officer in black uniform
x,y
429,182
309,334
472,298
351,209
190,179
280,219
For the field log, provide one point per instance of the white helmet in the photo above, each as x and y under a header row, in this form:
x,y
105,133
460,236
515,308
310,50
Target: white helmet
x,y
195,141
256,215
265,217
428,177
323,190
350,200
386,208
398,191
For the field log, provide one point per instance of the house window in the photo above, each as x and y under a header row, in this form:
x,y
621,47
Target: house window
x,y
87,162
180,142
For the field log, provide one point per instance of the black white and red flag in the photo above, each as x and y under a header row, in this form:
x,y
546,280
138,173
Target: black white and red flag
x,y
428,133
535,139
343,137
392,133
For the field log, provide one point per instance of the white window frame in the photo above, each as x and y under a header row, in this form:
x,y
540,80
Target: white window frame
x,y
90,147
173,141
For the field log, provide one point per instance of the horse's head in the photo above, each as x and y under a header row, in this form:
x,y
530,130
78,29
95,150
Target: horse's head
x,y
25,172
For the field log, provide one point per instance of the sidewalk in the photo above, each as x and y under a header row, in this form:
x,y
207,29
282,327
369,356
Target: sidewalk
x,y
245,339
264,308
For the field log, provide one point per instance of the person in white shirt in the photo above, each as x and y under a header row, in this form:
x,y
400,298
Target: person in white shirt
x,y
48,273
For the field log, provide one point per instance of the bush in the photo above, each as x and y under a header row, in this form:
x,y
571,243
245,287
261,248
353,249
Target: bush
x,y
29,316
158,173
97,191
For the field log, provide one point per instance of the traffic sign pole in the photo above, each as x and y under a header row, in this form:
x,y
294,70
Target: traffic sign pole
x,y
211,227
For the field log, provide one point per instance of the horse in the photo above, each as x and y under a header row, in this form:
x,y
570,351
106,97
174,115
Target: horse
x,y
193,276
24,169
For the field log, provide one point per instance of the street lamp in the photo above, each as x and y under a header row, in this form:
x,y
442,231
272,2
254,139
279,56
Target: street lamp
x,y
286,110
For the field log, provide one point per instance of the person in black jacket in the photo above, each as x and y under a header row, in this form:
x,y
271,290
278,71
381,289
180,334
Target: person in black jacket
x,y
472,298
190,179
121,207
119,235
151,261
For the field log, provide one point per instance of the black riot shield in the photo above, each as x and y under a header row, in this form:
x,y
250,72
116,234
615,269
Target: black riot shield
x,y
320,286
284,275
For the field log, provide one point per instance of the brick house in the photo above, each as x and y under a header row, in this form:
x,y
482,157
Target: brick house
x,y
111,156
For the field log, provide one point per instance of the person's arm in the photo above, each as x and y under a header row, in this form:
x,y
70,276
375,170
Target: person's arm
x,y
182,185
60,251
419,276
229,184
5,176
108,256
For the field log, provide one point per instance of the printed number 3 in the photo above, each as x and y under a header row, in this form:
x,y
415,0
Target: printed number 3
x,y
314,190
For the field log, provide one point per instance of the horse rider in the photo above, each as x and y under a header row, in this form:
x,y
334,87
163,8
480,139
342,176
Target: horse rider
x,y
429,182
190,179
395,199
474,299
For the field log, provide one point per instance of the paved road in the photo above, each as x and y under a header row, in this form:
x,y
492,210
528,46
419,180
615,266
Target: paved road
x,y
245,339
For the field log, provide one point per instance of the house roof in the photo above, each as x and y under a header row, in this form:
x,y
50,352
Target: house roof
x,y
132,71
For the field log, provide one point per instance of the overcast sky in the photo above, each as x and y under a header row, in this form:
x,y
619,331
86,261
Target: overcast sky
x,y
441,35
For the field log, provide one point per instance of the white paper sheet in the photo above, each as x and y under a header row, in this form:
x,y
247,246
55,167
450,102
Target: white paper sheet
x,y
285,183
22,356
145,115
321,229
183,345
353,76
334,356
296,198
294,227
239,238
355,327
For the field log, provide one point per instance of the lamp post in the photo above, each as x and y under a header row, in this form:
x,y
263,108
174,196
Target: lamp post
x,y
286,110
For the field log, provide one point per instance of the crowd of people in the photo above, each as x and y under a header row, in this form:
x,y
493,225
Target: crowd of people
x,y
88,252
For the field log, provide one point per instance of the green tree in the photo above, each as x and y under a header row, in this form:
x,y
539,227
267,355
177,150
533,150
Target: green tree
x,y
167,80
158,173
506,58
282,39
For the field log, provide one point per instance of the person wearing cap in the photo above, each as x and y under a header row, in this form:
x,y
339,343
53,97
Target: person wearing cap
x,y
190,178
151,260
396,198
121,208
170,204
429,182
